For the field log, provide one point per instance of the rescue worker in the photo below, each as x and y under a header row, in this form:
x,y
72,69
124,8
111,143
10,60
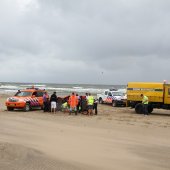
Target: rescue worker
x,y
145,104
46,102
73,102
64,107
90,103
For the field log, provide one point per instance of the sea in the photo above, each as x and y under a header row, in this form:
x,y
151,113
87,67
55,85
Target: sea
x,y
60,89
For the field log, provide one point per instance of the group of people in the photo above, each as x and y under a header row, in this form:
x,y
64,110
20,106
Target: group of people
x,y
72,104
50,103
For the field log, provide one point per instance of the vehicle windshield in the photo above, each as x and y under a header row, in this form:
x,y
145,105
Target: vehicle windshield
x,y
23,93
117,94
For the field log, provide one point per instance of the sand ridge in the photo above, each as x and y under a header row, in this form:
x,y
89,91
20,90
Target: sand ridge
x,y
18,157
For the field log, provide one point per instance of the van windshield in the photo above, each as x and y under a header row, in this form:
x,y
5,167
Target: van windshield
x,y
23,93
117,94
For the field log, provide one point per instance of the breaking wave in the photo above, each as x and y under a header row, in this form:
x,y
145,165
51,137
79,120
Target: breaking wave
x,y
59,88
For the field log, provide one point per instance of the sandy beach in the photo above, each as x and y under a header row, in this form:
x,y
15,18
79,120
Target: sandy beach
x,y
115,139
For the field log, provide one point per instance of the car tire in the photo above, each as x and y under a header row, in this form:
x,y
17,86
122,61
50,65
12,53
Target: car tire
x,y
27,107
114,104
10,108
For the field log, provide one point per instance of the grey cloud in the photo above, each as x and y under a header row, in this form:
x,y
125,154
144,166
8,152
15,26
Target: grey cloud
x,y
127,40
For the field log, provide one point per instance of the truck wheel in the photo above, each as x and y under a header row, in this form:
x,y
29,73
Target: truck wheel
x,y
100,100
150,108
27,107
10,108
114,104
139,108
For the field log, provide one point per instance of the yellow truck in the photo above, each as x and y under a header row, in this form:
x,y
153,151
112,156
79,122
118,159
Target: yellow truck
x,y
157,93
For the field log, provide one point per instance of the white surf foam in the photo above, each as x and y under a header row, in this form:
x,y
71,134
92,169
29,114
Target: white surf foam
x,y
78,90
30,85
8,87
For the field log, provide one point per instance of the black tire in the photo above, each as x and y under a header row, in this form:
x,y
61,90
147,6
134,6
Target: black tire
x,y
139,108
114,104
27,107
150,108
100,100
10,108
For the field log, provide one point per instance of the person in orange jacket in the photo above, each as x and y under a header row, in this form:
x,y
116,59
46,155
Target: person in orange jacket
x,y
73,102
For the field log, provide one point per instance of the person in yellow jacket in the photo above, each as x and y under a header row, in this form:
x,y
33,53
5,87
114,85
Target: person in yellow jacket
x,y
64,107
145,104
90,103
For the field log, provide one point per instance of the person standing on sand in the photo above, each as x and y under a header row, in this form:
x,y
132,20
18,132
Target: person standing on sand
x,y
46,102
90,102
53,101
78,105
73,102
145,104
86,97
95,106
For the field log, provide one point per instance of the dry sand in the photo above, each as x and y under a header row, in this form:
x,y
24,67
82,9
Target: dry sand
x,y
116,139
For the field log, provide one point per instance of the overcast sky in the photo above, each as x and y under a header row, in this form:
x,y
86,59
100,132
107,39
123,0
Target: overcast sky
x,y
84,41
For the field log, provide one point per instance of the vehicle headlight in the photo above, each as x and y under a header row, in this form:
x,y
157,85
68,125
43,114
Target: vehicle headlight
x,y
12,100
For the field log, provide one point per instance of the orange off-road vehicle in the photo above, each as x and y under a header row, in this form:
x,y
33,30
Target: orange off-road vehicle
x,y
27,99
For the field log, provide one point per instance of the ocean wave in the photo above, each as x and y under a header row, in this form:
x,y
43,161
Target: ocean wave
x,y
11,92
30,85
77,87
80,90
62,89
8,87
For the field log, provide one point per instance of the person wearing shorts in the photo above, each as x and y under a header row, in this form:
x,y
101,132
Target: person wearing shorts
x,y
53,100
90,103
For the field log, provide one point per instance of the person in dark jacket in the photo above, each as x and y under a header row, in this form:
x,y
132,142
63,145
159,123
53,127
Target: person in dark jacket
x,y
78,105
53,101
95,106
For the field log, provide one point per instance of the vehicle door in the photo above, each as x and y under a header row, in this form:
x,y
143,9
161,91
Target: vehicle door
x,y
39,97
109,97
34,102
167,94
105,95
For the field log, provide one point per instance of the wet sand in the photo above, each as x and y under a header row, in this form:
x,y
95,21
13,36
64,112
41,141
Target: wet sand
x,y
116,138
